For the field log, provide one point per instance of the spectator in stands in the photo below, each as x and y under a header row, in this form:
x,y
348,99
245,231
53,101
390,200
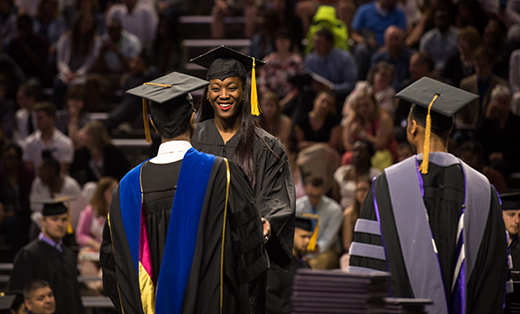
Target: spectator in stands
x,y
71,11
379,83
470,13
346,176
404,150
285,10
499,132
39,298
99,157
514,74
481,83
74,116
281,65
7,110
368,28
424,22
15,186
11,72
395,53
494,37
137,17
321,125
51,184
224,8
472,153
166,52
513,17
48,137
351,215
49,23
326,253
29,50
7,21
262,42
336,65
297,172
27,97
440,42
46,258
117,48
273,120
77,52
89,232
461,64
374,125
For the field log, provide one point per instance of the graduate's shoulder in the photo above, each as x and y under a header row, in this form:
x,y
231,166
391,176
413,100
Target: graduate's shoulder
x,y
203,131
272,142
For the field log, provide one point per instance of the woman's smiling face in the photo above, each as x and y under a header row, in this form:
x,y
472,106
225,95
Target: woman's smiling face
x,y
226,97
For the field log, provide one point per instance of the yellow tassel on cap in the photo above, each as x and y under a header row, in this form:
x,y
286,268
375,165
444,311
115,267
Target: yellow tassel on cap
x,y
255,109
312,242
146,123
426,153
66,200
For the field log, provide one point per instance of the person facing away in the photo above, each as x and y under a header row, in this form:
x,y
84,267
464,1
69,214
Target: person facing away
x,y
437,228
46,258
183,233
39,298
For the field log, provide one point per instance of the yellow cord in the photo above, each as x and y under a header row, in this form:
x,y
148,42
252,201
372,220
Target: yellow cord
x,y
223,238
255,109
145,122
155,84
427,134
314,238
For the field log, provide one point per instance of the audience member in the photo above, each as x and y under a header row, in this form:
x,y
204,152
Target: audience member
x,y
499,131
117,48
288,19
273,120
77,51
46,258
49,23
28,50
99,157
262,42
368,28
297,172
423,23
472,153
137,17
307,10
72,9
461,64
39,298
511,215
481,83
15,186
346,176
404,150
321,125
337,66
89,232
281,65
379,83
51,184
166,52
279,285
222,9
26,98
440,42
513,17
470,13
74,116
494,37
7,21
350,216
395,53
12,73
325,17
47,136
326,253
7,111
374,125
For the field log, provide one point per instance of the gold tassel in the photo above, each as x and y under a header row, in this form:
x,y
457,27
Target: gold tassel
x,y
426,153
69,226
146,123
312,242
255,109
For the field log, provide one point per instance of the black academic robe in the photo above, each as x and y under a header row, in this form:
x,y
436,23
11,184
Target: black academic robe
x,y
274,188
39,260
514,250
244,271
279,288
444,195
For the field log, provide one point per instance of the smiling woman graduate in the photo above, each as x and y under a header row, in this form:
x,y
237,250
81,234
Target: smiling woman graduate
x,y
226,128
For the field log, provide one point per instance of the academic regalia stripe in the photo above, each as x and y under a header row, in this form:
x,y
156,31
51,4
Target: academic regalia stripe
x,y
367,226
364,270
367,250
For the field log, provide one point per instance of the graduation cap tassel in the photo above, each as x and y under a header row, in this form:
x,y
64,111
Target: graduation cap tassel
x,y
255,109
69,226
312,242
146,124
426,153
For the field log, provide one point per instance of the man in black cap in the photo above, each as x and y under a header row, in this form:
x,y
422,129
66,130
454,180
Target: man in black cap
x,y
279,285
48,259
39,298
511,214
183,234
432,221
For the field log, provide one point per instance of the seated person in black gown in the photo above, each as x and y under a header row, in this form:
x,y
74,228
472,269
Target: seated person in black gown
x,y
39,298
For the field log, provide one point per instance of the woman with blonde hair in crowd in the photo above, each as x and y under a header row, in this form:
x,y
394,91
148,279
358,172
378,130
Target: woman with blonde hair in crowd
x,y
89,231
273,120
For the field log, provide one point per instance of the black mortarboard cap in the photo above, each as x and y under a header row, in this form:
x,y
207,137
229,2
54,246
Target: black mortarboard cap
x,y
223,62
54,208
171,102
304,223
6,303
305,79
510,201
57,206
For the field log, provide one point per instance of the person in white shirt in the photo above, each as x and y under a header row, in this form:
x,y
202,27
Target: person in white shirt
x,y
137,18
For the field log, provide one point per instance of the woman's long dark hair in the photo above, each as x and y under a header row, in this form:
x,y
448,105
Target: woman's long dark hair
x,y
246,141
78,47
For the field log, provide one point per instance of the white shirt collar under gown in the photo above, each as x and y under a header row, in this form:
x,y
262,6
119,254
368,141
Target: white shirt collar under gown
x,y
171,151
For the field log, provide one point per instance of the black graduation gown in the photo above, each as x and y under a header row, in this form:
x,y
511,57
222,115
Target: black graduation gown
x,y
39,260
514,249
444,196
274,188
243,287
279,288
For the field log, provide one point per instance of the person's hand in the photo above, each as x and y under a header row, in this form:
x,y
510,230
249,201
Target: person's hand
x,y
222,5
496,156
69,77
267,228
